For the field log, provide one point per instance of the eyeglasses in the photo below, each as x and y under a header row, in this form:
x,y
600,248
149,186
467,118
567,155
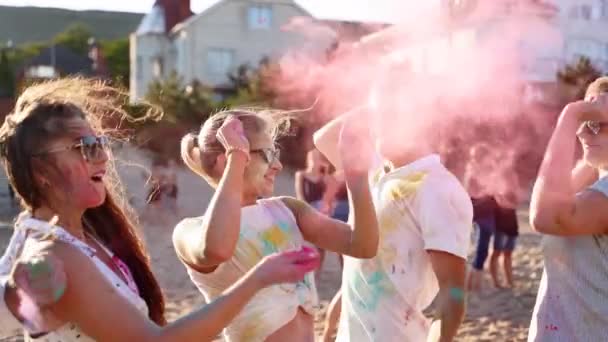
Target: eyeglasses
x,y
270,155
595,127
92,148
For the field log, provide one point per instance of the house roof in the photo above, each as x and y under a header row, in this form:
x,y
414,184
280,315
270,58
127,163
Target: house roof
x,y
63,59
383,11
153,22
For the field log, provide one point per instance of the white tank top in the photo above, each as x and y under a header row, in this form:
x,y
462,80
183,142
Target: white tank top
x,y
266,228
28,229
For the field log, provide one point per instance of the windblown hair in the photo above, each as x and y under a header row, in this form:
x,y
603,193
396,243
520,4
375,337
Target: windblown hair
x,y
255,121
40,115
599,86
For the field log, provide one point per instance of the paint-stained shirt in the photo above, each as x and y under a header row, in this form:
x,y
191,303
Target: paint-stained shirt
x,y
267,227
420,207
572,299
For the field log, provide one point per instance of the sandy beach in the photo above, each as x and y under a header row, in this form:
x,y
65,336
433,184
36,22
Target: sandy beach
x,y
492,315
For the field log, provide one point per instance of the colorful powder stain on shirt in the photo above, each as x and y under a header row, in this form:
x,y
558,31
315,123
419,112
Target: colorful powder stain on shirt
x,y
274,240
371,286
388,223
376,178
405,187
252,332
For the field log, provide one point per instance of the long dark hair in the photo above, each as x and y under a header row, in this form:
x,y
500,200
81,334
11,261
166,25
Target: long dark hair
x,y
40,115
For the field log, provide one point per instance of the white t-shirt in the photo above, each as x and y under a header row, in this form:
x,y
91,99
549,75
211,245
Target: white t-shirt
x,y
420,207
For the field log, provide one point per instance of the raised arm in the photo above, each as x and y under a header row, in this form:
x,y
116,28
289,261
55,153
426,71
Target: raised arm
x,y
92,303
362,240
583,176
555,207
205,246
326,141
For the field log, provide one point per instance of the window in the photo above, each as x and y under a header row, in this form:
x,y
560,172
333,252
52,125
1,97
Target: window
x,y
42,71
259,17
220,61
586,12
596,11
604,9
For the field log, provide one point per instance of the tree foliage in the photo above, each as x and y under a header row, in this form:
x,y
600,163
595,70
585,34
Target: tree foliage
x,y
116,53
75,37
577,76
180,103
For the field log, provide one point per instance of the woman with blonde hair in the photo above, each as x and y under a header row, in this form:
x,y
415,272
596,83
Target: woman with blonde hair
x,y
77,228
235,153
569,207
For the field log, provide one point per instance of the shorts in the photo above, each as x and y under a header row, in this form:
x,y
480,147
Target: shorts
x,y
504,242
341,211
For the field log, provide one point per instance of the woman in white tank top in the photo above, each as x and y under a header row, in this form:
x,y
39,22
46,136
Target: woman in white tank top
x,y
57,162
235,152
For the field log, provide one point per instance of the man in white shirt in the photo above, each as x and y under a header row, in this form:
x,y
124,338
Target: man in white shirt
x,y
425,218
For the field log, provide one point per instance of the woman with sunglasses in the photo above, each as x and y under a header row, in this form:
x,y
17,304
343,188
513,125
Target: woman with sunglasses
x,y
88,276
235,153
570,207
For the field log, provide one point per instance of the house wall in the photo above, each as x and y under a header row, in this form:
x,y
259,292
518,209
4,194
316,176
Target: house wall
x,y
222,30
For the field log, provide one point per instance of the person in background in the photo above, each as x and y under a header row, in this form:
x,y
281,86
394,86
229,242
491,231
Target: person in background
x,y
311,183
169,189
505,237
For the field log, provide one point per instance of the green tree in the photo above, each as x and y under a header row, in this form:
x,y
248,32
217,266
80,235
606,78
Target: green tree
x,y
7,82
187,104
251,86
116,53
577,76
75,37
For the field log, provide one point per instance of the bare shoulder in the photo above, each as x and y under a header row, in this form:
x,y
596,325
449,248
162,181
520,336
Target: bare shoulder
x,y
297,207
187,224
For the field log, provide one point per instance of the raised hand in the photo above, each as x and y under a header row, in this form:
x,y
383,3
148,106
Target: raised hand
x,y
287,267
594,109
232,135
355,147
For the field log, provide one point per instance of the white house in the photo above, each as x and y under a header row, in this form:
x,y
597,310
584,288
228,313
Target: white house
x,y
209,45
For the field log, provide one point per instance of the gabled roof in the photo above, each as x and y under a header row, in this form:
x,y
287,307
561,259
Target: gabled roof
x,y
153,22
357,11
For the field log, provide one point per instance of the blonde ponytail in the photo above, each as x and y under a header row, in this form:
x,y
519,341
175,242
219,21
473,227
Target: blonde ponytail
x,y
188,145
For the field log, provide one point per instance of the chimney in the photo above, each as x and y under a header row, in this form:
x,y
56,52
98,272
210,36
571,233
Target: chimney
x,y
176,11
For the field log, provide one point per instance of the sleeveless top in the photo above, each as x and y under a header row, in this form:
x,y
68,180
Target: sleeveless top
x,y
28,229
266,228
312,191
572,300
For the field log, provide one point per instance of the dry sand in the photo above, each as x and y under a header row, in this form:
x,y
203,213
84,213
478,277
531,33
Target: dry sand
x,y
492,315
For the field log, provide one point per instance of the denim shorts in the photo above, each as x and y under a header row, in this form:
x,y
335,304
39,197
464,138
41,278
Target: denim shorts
x,y
504,242
341,211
